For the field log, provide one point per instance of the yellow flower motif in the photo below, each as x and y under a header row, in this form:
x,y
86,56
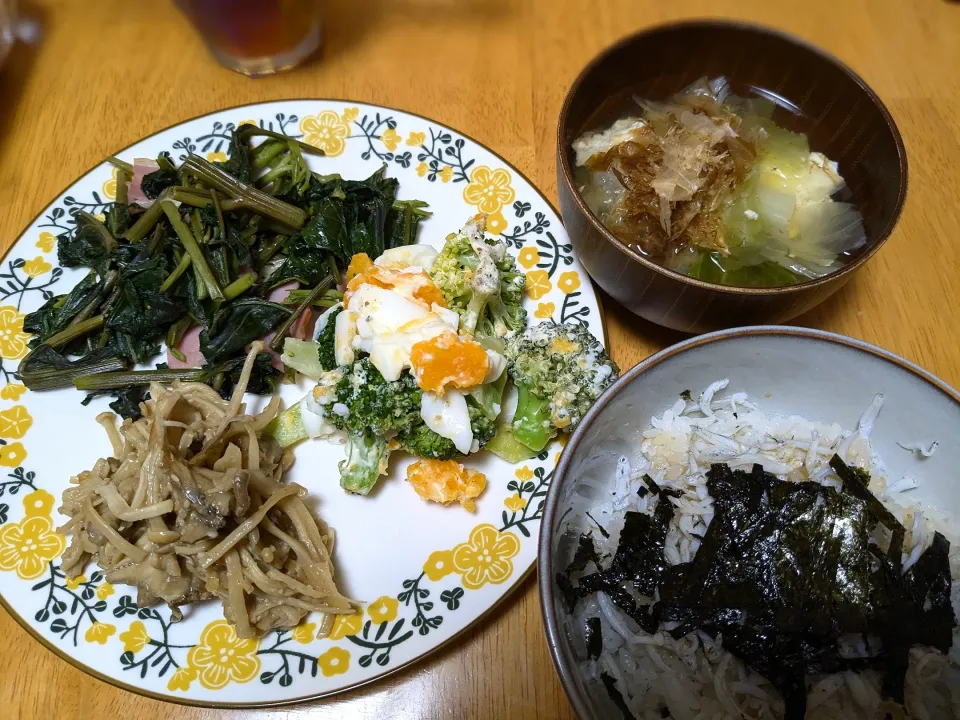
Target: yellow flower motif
x,y
135,638
109,188
496,223
327,132
439,564
538,284
36,267
15,422
39,503
390,138
568,282
334,661
247,122
29,546
12,455
445,174
350,114
346,625
221,657
47,241
99,633
383,609
12,391
218,156
104,591
416,139
422,169
100,216
486,557
75,582
182,678
523,473
13,340
528,257
515,503
489,189
305,633
545,311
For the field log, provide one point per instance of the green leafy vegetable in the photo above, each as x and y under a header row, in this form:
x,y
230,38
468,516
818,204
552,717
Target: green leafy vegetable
x,y
239,324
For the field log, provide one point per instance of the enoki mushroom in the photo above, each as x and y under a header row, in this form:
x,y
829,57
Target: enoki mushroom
x,y
192,506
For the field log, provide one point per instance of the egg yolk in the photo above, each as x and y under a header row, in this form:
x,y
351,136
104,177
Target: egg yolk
x,y
363,271
448,359
359,264
446,481
563,346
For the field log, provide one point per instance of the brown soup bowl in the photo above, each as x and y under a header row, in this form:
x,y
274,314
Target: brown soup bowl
x,y
814,92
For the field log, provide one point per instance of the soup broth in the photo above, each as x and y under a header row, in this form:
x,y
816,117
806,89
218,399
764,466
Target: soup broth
x,y
720,186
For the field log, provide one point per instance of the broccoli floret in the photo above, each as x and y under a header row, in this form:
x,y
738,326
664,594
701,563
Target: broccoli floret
x,y
423,442
366,461
480,280
559,371
327,340
366,401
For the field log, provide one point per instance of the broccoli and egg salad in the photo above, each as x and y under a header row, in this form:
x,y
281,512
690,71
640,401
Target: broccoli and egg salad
x,y
419,356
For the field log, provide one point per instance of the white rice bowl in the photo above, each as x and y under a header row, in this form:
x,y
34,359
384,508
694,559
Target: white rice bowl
x,y
693,678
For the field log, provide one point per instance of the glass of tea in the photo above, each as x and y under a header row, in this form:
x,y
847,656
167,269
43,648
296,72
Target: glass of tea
x,y
256,37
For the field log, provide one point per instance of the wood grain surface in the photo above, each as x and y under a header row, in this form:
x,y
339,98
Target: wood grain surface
x,y
107,72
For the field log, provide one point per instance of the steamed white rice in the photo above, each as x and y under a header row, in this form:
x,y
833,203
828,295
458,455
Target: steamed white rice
x,y
694,678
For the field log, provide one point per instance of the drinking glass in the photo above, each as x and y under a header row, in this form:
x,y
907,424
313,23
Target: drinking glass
x,y
256,37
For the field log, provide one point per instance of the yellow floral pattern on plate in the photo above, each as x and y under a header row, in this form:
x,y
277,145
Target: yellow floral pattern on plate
x,y
545,311
487,557
99,632
568,282
135,638
489,189
528,257
221,657
346,625
383,609
334,661
439,565
13,340
12,455
47,241
15,422
109,188
36,267
304,633
326,131
29,546
12,391
538,284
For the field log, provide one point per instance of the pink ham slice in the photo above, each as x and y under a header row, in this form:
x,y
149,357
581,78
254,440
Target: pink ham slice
x,y
141,167
303,327
280,292
189,345
278,295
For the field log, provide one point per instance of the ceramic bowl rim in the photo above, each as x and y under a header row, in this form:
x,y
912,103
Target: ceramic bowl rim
x,y
719,24
559,652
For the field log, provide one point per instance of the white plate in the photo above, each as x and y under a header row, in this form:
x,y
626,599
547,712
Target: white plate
x,y
416,565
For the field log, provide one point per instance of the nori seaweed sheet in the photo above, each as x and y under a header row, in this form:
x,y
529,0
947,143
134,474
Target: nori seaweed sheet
x,y
615,696
594,638
782,573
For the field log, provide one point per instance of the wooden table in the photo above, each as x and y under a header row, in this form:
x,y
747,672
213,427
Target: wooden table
x,y
496,70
